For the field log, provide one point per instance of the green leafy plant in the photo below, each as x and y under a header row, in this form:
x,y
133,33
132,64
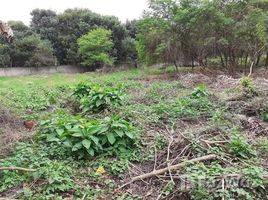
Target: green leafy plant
x,y
82,89
168,189
240,147
183,107
248,86
55,176
110,135
200,91
203,177
100,98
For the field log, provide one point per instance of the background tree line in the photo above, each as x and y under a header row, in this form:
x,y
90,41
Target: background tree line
x,y
52,38
226,33
222,33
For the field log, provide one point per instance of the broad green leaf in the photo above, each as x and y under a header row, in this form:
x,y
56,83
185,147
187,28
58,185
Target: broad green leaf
x,y
98,103
120,133
78,134
86,143
111,138
52,138
95,140
104,128
93,129
67,143
107,99
77,146
60,131
90,152
129,134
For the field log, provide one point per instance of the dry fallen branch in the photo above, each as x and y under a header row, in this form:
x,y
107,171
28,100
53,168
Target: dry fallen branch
x,y
172,167
17,168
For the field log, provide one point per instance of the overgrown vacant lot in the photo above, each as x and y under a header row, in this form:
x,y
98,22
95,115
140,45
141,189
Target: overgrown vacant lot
x,y
95,133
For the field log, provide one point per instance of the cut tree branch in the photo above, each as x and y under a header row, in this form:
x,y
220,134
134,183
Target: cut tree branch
x,y
17,168
172,167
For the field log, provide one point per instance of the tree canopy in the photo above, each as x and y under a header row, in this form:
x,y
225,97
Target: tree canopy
x,y
95,47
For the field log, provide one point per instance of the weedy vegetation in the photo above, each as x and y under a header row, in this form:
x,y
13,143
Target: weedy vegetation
x,y
95,133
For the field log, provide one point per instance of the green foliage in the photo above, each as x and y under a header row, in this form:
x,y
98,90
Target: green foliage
x,y
129,51
248,86
96,99
28,50
115,166
64,29
82,89
168,189
200,91
185,107
240,147
184,31
95,47
32,99
54,175
83,137
264,116
204,177
254,175
58,176
160,142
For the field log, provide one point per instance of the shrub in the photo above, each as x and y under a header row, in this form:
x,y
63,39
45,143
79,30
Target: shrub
x,y
240,147
82,89
97,99
248,86
200,91
111,135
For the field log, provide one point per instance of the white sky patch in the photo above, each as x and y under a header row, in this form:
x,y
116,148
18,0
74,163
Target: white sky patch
x,y
123,9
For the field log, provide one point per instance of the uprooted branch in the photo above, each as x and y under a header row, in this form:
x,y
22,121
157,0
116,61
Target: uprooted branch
x,y
172,167
17,168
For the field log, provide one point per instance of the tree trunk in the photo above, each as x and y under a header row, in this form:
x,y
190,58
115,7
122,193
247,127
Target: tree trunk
x,y
192,64
176,66
222,62
246,60
258,59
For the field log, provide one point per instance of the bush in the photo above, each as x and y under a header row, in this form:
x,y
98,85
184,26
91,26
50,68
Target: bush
x,y
82,89
200,91
83,137
96,99
240,147
248,86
